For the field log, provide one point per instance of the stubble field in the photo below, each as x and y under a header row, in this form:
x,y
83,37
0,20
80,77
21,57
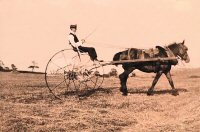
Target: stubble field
x,y
27,105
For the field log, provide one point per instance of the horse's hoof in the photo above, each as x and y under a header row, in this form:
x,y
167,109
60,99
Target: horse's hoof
x,y
120,89
124,91
124,94
149,93
175,92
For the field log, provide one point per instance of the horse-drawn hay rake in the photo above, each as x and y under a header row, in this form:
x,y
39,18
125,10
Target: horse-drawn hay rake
x,y
70,72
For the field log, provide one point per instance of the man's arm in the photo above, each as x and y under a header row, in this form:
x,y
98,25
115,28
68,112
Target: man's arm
x,y
71,40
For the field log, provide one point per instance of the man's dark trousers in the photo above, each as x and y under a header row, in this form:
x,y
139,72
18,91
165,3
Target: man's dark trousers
x,y
90,50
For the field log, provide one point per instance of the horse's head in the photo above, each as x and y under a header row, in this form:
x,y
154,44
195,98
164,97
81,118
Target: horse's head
x,y
182,51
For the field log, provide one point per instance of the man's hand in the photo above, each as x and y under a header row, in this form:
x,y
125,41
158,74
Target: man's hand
x,y
83,40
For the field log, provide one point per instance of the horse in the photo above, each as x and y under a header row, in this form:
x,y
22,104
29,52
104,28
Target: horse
x,y
178,50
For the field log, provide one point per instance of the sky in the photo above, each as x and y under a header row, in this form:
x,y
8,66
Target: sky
x,y
33,30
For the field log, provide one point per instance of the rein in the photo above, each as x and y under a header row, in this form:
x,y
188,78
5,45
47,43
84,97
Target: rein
x,y
170,51
179,58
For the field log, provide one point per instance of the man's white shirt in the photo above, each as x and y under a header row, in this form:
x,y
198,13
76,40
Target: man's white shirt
x,y
71,40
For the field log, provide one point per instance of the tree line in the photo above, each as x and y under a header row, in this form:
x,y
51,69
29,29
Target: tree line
x,y
14,68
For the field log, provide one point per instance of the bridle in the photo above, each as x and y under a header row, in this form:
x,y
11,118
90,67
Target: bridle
x,y
178,56
182,56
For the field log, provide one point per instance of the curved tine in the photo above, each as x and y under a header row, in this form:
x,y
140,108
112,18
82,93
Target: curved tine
x,y
89,78
74,80
96,80
95,83
75,85
84,83
95,67
82,67
67,84
86,86
100,83
98,77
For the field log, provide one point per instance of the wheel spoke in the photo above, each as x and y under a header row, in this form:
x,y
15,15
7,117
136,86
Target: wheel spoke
x,y
58,85
62,68
55,64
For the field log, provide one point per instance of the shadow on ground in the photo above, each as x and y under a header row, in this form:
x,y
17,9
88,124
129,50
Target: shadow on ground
x,y
159,92
90,92
110,90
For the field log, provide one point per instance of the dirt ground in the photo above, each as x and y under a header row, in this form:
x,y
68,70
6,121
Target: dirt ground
x,y
27,105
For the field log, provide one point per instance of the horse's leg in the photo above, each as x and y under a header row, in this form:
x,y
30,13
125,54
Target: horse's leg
x,y
123,80
174,91
150,91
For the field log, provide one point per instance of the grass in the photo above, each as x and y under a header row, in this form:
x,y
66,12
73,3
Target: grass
x,y
27,105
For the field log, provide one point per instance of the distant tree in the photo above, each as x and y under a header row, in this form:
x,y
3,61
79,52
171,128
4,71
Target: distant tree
x,y
7,68
1,65
33,66
14,68
1,68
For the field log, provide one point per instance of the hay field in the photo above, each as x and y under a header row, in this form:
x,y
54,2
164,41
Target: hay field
x,y
27,105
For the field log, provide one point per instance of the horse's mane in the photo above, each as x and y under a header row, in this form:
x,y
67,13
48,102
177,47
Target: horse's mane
x,y
174,43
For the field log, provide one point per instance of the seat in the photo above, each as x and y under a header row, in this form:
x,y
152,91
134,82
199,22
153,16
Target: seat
x,y
79,51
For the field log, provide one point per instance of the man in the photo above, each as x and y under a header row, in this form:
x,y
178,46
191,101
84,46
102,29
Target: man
x,y
75,43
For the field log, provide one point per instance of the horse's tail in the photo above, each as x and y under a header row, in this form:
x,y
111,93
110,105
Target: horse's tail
x,y
117,57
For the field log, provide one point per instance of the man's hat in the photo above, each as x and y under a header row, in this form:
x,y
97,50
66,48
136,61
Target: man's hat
x,y
73,26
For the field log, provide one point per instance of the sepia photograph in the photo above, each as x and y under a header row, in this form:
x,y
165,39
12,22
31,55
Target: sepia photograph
x,y
99,66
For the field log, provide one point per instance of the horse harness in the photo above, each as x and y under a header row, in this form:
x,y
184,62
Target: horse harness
x,y
150,53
